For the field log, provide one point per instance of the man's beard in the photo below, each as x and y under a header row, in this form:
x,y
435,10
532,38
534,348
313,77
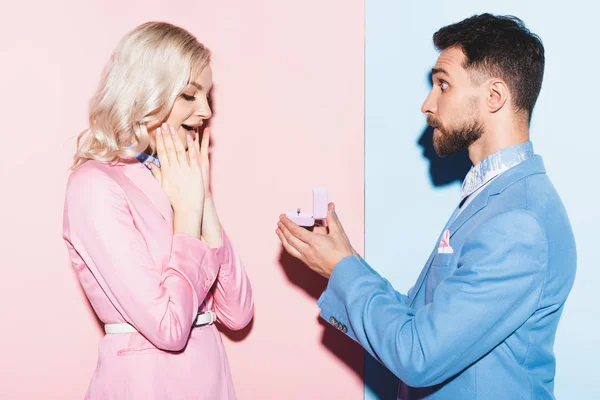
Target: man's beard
x,y
452,140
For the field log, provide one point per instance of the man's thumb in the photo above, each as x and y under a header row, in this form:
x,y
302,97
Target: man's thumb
x,y
332,220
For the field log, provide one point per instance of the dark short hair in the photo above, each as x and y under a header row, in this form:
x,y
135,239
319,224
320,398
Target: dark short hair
x,y
501,46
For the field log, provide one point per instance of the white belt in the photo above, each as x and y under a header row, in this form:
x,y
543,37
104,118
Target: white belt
x,y
205,318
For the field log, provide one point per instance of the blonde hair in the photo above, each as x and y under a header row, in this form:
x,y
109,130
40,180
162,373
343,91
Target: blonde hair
x,y
148,70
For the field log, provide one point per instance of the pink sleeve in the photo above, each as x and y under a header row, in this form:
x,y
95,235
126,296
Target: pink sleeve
x,y
233,300
160,301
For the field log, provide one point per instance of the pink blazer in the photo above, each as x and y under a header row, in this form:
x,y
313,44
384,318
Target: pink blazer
x,y
118,226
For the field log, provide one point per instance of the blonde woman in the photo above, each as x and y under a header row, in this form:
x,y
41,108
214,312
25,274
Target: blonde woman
x,y
142,229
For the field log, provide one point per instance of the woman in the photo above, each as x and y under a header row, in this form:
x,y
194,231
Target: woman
x,y
144,236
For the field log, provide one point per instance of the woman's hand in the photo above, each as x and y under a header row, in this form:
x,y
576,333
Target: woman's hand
x,y
211,226
180,176
204,161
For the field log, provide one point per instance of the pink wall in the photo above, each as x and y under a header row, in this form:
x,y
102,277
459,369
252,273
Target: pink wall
x,y
289,116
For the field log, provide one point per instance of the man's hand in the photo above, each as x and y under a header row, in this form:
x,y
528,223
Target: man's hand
x,y
322,249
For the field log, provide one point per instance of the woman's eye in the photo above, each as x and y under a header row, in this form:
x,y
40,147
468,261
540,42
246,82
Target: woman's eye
x,y
187,97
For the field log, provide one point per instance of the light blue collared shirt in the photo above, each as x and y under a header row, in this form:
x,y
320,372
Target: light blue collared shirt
x,y
490,168
144,157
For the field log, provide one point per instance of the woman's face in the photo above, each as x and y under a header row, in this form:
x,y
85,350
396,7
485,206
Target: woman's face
x,y
190,109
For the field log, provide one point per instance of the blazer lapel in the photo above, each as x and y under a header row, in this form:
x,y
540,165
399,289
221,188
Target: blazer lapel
x,y
453,224
425,269
532,166
143,179
478,203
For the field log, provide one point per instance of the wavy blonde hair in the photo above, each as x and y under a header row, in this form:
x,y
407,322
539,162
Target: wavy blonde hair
x,y
148,70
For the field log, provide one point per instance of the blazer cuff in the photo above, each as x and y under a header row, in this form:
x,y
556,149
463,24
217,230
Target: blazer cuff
x,y
192,258
224,252
333,300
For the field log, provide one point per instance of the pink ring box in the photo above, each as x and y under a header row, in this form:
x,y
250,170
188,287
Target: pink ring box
x,y
320,204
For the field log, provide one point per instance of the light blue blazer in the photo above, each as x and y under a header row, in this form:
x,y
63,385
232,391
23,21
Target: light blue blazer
x,y
480,322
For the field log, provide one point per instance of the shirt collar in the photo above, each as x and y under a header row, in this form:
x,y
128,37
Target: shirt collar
x,y
495,164
144,158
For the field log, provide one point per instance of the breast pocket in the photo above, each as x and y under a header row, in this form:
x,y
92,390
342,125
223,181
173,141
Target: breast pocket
x,y
442,267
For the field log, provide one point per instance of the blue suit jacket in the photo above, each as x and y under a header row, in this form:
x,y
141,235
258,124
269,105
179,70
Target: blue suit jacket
x,y
479,323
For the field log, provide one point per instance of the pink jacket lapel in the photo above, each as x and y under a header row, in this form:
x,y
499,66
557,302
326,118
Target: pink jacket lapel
x,y
143,179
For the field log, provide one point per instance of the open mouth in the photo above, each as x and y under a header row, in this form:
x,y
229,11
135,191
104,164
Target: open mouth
x,y
192,130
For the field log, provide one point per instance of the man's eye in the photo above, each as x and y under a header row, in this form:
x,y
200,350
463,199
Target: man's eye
x,y
187,97
443,85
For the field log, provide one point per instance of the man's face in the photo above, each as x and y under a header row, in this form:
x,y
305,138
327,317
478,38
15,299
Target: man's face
x,y
453,105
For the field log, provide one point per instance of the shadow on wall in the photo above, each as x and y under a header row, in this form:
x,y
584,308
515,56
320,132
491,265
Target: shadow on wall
x,y
443,171
235,336
312,283
379,381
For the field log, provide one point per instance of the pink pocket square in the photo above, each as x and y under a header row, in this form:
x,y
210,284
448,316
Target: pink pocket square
x,y
444,247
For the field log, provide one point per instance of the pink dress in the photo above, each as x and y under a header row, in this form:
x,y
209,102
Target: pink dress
x,y
118,226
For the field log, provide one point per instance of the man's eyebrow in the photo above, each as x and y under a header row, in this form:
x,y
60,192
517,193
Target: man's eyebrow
x,y
439,71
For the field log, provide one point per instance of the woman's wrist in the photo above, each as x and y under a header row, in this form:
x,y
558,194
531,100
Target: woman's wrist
x,y
211,226
189,223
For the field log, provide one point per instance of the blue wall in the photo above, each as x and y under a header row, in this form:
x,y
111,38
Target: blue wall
x,y
407,204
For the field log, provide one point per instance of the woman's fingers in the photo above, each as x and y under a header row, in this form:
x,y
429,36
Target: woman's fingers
x,y
155,171
160,148
192,150
179,147
204,148
170,151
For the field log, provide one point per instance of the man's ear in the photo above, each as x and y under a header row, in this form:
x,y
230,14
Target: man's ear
x,y
497,95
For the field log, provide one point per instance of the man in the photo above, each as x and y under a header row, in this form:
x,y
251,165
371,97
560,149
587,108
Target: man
x,y
481,319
